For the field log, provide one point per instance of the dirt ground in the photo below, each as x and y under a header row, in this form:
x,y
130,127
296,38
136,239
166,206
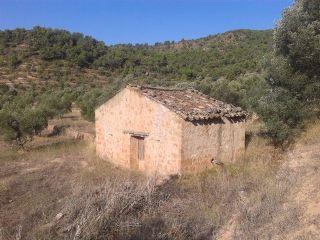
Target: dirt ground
x,y
301,164
304,163
33,186
36,184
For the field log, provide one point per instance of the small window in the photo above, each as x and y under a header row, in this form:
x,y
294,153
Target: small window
x,y
141,149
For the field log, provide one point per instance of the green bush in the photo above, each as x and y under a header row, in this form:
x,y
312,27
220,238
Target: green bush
x,y
88,103
21,125
245,91
13,60
293,72
24,116
91,99
282,114
54,104
33,121
52,53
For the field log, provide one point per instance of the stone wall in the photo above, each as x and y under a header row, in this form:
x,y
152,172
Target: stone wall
x,y
128,112
171,145
221,141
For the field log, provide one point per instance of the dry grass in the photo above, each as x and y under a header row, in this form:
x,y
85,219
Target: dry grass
x,y
95,200
262,213
190,207
311,133
3,187
272,210
36,184
74,120
19,203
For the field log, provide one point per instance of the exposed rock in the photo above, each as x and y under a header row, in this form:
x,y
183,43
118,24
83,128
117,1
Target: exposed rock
x,y
59,216
51,130
78,135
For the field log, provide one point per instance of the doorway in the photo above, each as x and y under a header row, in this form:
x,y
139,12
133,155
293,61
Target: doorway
x,y
136,151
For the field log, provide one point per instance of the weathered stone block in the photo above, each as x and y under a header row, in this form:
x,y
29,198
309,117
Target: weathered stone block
x,y
171,145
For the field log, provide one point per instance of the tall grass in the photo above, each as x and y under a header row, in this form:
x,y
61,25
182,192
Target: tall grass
x,y
120,206
311,133
65,199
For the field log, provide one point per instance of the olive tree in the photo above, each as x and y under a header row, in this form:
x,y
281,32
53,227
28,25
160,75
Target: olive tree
x,y
21,125
293,71
297,49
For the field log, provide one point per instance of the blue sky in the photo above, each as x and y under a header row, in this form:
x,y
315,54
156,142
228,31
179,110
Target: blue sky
x,y
142,21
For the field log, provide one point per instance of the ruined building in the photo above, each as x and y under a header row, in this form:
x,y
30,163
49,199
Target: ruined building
x,y
168,131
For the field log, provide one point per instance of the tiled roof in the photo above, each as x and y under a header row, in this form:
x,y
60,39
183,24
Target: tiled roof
x,y
191,104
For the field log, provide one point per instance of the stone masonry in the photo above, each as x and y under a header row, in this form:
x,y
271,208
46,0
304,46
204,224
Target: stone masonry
x,y
166,131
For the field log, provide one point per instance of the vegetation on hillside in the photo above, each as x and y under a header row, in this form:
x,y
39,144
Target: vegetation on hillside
x,y
229,54
280,83
59,189
26,115
49,65
62,191
293,72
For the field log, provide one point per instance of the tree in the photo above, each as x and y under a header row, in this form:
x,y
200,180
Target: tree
x,y
21,125
24,116
13,60
52,53
297,47
282,115
54,104
293,71
88,102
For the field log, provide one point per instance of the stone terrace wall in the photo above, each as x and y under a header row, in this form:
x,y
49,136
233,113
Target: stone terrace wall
x,y
131,111
221,141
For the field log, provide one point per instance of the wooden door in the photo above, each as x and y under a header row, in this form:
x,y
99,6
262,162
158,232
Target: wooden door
x,y
136,151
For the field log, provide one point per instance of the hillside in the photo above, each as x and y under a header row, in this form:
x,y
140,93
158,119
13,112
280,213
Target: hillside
x,y
53,185
44,58
60,189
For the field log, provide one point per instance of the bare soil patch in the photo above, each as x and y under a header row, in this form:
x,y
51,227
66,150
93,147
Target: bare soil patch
x,y
59,189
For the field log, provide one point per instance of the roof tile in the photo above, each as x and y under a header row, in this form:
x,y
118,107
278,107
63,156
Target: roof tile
x,y
191,104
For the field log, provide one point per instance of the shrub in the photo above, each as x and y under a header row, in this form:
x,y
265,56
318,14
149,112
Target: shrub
x,y
24,116
293,72
21,125
90,100
33,121
244,91
13,60
52,53
282,115
55,104
88,103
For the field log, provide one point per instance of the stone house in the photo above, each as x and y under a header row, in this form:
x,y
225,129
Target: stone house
x,y
168,131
